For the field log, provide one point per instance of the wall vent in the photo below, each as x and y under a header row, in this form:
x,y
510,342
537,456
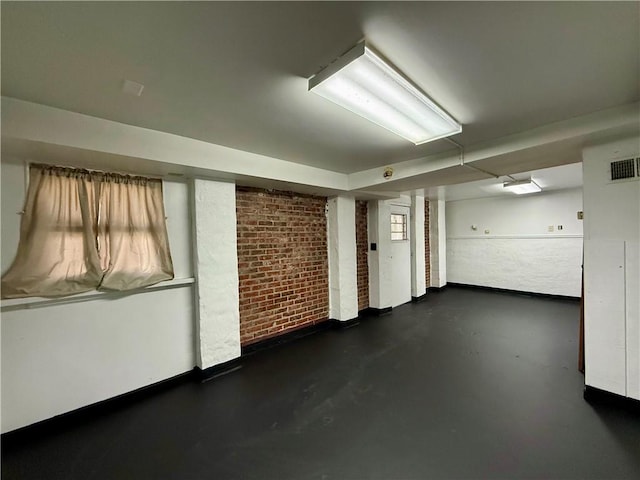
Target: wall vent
x,y
624,168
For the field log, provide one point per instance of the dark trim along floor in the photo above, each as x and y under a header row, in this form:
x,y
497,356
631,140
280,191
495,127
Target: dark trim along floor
x,y
468,383
515,292
205,375
98,409
597,396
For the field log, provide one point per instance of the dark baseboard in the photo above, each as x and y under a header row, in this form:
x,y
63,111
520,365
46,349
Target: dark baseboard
x,y
343,324
596,396
219,370
375,311
89,412
286,337
436,289
513,292
86,413
419,299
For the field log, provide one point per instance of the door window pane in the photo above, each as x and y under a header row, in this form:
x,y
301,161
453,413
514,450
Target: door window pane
x,y
398,226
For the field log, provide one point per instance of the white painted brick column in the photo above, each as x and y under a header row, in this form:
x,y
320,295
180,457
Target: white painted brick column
x,y
380,266
341,240
418,281
216,272
438,243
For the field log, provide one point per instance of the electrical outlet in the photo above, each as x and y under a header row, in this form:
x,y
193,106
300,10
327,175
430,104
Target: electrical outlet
x,y
550,228
560,227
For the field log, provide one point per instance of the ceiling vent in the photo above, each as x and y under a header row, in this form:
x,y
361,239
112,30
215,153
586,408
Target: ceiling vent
x,y
621,169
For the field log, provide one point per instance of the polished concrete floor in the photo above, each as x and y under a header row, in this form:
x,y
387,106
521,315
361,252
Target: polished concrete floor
x,y
467,384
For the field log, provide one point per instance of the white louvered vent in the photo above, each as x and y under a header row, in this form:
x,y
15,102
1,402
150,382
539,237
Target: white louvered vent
x,y
628,168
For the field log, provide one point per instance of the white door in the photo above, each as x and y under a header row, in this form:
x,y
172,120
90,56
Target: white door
x,y
400,255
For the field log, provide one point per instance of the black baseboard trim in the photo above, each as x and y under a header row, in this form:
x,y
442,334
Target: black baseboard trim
x,y
596,396
95,410
344,324
286,337
437,289
219,370
514,292
419,299
375,311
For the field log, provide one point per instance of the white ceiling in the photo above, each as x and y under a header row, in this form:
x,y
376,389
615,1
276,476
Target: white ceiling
x,y
235,73
549,179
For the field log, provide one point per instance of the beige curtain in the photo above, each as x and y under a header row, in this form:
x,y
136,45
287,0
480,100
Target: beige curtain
x,y
132,235
57,253
85,230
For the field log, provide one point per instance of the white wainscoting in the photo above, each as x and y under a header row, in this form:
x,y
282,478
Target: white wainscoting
x,y
529,263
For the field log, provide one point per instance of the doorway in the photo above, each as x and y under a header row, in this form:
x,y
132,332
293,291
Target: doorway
x,y
400,255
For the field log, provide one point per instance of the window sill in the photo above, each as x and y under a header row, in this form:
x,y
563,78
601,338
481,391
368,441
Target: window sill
x,y
38,302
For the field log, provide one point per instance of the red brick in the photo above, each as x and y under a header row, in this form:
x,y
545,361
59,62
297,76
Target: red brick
x,y
362,249
282,262
427,250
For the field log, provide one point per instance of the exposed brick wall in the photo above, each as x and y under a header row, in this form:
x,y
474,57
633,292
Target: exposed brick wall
x,y
362,249
282,262
427,251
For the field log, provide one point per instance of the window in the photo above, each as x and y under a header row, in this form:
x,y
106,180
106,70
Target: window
x,y
398,227
84,230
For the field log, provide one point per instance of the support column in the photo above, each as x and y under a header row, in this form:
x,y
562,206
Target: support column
x,y
418,283
341,239
438,243
216,272
380,265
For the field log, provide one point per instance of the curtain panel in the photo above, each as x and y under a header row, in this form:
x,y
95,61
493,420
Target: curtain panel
x,y
132,235
83,230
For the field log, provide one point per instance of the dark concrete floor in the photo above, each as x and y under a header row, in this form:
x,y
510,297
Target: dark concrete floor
x,y
467,384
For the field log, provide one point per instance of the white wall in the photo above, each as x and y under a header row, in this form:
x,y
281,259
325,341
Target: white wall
x,y
438,243
62,355
418,263
612,271
512,246
216,253
380,266
343,268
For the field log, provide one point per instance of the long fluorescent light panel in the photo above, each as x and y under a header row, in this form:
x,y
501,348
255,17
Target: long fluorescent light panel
x,y
363,83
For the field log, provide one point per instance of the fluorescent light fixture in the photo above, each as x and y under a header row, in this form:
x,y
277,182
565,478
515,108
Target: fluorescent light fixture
x,y
362,82
520,187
